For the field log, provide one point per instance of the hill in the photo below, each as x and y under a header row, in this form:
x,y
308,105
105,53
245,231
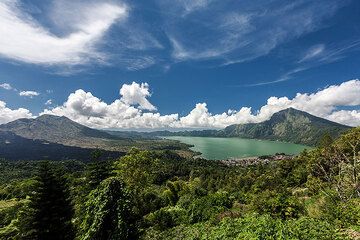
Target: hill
x,y
56,138
57,129
288,125
14,147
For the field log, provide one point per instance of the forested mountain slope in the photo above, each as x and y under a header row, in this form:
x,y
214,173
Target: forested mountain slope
x,y
288,125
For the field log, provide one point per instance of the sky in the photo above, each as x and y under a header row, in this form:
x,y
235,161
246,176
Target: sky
x,y
166,64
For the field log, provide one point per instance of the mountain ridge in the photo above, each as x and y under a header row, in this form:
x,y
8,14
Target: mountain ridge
x,y
58,137
290,125
57,129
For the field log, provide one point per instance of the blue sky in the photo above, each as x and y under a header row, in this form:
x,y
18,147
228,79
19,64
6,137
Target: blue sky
x,y
203,63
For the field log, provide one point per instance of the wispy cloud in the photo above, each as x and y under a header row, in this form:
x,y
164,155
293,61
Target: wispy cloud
x,y
183,7
24,39
315,56
70,34
313,52
244,31
338,51
285,77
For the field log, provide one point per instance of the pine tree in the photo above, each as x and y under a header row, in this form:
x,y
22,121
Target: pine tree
x,y
98,171
48,214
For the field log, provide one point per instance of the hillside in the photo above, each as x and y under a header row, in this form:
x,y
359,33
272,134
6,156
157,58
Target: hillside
x,y
14,147
288,125
55,129
51,135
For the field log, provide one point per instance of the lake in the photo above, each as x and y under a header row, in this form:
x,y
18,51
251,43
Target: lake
x,y
224,148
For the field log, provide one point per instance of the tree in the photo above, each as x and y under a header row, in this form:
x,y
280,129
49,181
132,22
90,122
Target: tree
x,y
98,171
138,169
49,210
339,165
326,141
109,212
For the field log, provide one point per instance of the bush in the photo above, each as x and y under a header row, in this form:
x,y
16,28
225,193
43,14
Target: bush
x,y
251,227
167,218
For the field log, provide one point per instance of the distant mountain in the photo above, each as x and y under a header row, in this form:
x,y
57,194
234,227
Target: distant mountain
x,y
288,125
56,129
56,138
14,147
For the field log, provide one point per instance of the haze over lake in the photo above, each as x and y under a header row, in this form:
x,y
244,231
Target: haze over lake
x,y
224,148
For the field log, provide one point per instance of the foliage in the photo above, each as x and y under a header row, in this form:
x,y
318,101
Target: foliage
x,y
251,227
97,171
161,195
48,213
138,168
108,212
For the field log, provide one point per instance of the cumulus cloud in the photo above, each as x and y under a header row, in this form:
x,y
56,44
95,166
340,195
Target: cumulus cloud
x,y
29,94
125,112
6,86
25,39
137,94
8,115
131,109
351,118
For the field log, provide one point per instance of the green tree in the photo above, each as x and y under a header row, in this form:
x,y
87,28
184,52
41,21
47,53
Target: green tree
x,y
138,169
98,171
49,210
326,141
109,213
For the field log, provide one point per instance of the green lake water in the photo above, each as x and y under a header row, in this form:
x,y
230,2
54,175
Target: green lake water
x,y
224,148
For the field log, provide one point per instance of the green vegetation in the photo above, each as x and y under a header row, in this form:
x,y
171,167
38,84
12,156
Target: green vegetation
x,y
161,195
289,125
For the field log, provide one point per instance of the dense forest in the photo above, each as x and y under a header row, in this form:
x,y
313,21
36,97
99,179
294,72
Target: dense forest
x,y
161,195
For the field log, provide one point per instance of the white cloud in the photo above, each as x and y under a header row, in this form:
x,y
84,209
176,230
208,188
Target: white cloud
x,y
29,94
245,31
137,94
351,118
8,115
87,109
192,5
24,39
313,52
184,7
69,34
130,110
48,102
314,57
127,111
6,86
323,103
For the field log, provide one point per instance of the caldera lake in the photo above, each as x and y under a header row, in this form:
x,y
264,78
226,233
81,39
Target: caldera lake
x,y
215,148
